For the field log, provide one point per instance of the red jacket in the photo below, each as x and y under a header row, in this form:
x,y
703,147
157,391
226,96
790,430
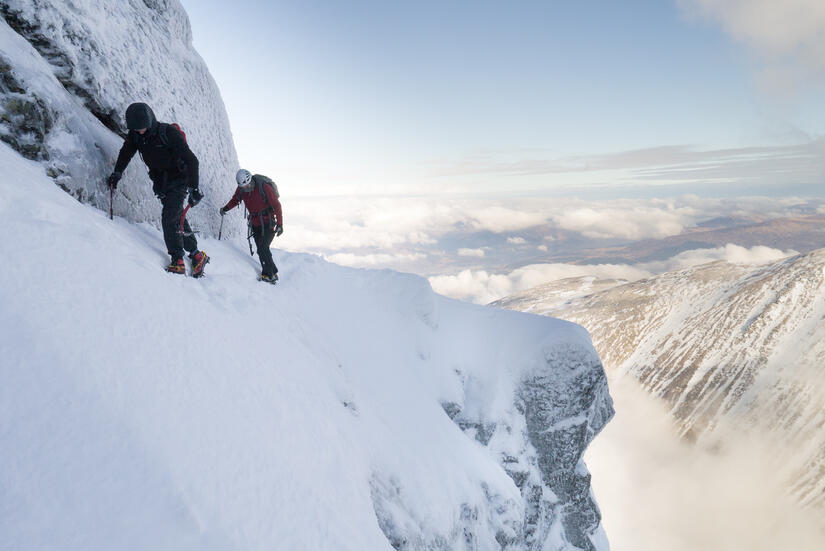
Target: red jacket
x,y
260,211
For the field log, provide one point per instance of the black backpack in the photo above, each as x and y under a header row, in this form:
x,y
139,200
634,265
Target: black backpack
x,y
163,133
163,128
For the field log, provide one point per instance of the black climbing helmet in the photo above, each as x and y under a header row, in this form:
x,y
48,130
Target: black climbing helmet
x,y
140,115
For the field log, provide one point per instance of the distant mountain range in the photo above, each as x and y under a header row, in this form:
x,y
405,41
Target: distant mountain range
x,y
802,233
725,346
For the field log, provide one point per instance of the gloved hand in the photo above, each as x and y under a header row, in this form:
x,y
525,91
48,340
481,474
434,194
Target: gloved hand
x,y
195,196
222,211
114,178
279,229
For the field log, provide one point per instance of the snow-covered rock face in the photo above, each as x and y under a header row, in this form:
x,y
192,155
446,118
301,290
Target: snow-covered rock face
x,y
68,70
535,418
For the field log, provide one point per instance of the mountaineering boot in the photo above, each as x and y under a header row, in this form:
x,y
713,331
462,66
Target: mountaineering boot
x,y
199,260
273,279
176,266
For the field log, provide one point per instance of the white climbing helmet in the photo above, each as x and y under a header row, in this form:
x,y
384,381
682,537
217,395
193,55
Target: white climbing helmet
x,y
244,179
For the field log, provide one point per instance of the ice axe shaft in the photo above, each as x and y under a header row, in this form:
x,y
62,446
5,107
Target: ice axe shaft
x,y
183,218
248,231
111,199
249,238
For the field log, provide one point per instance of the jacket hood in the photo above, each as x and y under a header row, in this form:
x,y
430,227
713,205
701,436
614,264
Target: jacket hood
x,y
140,115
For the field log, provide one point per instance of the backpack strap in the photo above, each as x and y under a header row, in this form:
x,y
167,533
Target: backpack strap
x,y
162,135
163,132
260,182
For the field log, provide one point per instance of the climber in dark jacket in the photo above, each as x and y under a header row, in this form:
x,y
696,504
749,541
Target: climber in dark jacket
x,y
173,169
266,220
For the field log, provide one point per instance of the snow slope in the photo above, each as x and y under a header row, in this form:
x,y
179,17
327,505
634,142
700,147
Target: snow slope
x,y
344,409
68,70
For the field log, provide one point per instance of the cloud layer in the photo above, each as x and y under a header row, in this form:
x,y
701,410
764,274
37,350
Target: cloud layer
x,y
627,221
388,223
483,287
482,249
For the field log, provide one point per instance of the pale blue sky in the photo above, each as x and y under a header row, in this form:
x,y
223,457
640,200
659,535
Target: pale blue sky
x,y
431,96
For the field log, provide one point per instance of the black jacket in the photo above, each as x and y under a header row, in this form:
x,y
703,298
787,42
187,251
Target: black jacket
x,y
170,161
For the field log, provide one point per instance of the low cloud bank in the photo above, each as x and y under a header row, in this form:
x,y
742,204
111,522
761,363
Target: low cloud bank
x,y
656,492
630,222
729,253
483,287
462,242
378,259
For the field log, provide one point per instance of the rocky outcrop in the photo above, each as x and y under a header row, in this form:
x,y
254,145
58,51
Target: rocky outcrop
x,y
25,120
563,413
70,70
558,405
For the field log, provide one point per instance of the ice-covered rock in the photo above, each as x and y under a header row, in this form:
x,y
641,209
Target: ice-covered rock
x,y
68,70
559,405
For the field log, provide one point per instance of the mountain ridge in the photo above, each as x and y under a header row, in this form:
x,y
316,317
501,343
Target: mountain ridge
x,y
727,347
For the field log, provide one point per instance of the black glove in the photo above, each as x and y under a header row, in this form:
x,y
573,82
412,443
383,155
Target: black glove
x,y
114,178
195,196
279,229
222,211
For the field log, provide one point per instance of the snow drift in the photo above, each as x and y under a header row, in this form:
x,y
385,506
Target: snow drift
x,y
344,409
68,70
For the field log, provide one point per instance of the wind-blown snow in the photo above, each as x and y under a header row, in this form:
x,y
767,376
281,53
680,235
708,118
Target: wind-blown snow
x,y
344,409
70,69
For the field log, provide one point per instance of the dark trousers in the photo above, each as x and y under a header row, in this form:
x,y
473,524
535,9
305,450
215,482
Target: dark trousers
x,y
263,236
170,220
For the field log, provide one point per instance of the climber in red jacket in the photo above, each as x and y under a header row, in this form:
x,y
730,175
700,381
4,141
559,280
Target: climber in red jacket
x,y
260,196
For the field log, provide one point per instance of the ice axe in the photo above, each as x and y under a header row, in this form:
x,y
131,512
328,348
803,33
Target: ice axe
x,y
182,220
111,199
248,232
249,238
